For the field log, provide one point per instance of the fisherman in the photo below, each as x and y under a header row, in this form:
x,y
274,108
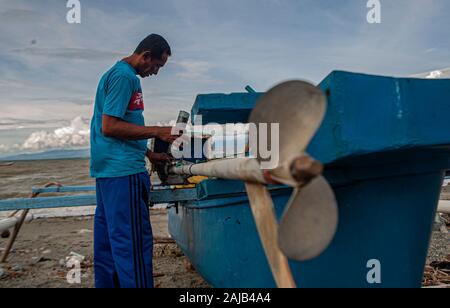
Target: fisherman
x,y
123,239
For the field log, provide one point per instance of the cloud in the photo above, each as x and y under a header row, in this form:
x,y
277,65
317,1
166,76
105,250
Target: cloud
x,y
13,124
46,111
430,50
49,70
9,83
19,16
199,71
5,148
70,53
75,135
80,101
436,74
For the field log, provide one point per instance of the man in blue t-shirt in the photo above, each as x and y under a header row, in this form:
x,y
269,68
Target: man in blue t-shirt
x,y
123,240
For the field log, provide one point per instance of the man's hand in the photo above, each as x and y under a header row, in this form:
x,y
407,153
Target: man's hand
x,y
117,128
165,134
159,158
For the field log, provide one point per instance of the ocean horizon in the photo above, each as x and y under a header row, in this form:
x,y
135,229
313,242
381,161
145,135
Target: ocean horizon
x,y
53,154
37,169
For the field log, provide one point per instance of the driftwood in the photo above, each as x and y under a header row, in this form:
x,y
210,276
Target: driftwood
x,y
437,274
163,240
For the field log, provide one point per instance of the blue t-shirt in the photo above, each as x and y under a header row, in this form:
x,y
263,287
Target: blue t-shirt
x,y
119,94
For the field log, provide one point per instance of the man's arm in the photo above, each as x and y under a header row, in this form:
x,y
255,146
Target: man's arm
x,y
118,128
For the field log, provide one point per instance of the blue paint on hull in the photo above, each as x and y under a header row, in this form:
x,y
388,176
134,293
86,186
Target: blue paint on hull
x,y
386,145
385,219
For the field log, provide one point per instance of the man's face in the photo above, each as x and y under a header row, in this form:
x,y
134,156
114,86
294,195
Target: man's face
x,y
150,66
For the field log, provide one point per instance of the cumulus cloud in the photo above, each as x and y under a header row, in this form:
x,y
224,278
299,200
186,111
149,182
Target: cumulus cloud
x,y
4,148
437,74
75,135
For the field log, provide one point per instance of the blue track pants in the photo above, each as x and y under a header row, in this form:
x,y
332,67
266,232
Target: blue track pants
x,y
123,239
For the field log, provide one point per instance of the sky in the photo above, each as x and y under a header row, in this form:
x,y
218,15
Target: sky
x,y
49,69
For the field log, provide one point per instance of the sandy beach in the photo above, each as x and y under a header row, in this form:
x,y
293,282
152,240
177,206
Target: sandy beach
x,y
37,260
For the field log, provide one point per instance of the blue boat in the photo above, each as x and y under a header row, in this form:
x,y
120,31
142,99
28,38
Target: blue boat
x,y
385,143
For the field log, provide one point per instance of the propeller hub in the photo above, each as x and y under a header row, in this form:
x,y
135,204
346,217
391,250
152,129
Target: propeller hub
x,y
305,168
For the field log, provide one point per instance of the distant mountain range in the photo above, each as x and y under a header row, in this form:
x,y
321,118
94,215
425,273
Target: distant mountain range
x,y
48,155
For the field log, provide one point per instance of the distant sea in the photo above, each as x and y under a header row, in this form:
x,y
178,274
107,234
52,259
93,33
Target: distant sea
x,y
17,180
45,155
20,173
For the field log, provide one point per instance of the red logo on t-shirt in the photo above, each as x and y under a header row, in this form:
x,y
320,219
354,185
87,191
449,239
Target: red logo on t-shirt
x,y
136,102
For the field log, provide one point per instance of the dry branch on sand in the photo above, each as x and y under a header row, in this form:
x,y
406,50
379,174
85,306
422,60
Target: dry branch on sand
x,y
437,273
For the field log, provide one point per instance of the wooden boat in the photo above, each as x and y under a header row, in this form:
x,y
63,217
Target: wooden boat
x,y
386,147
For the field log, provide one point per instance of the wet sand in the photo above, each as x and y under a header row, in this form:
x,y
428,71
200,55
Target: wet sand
x,y
17,180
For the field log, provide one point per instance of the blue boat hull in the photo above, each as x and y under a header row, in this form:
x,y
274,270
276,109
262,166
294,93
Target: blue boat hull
x,y
219,236
386,147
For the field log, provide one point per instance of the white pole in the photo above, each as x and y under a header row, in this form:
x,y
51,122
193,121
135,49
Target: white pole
x,y
245,169
301,171
8,223
444,207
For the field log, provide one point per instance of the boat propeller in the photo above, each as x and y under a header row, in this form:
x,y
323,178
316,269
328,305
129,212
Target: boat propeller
x,y
310,219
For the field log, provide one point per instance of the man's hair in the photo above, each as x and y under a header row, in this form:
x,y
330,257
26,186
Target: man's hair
x,y
155,44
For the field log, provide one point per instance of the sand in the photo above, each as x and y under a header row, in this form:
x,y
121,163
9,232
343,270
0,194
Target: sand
x,y
43,244
37,258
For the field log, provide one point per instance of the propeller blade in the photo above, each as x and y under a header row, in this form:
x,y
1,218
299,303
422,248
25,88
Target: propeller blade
x,y
298,107
311,216
309,222
263,211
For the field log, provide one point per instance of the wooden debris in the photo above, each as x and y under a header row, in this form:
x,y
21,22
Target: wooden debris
x,y
189,266
437,273
160,240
